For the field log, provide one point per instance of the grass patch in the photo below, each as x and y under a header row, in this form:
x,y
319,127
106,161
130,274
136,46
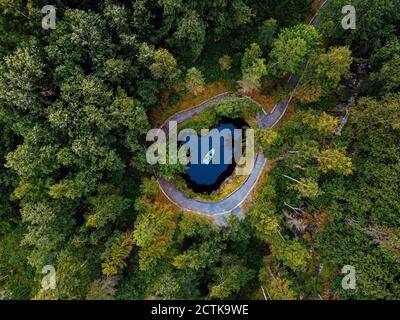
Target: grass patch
x,y
230,107
267,102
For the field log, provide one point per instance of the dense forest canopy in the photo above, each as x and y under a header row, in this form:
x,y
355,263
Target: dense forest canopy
x,y
77,192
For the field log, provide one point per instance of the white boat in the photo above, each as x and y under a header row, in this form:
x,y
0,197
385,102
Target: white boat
x,y
208,157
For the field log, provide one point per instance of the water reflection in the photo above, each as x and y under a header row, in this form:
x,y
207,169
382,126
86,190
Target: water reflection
x,y
215,157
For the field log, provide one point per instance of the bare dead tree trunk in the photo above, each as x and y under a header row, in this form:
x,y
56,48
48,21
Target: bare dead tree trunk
x,y
293,208
295,180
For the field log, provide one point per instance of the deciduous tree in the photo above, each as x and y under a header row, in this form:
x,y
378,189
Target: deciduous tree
x,y
194,81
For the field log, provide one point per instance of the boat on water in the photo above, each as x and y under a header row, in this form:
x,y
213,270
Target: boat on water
x,y
208,157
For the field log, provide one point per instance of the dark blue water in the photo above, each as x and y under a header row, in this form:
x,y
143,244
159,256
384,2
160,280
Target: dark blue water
x,y
206,178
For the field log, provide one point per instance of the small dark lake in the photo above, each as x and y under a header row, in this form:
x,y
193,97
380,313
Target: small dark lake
x,y
215,163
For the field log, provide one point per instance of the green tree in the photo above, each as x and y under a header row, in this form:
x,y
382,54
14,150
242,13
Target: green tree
x,y
378,18
336,160
279,288
387,77
225,62
119,251
291,50
249,83
324,123
267,33
265,138
333,66
229,279
376,156
22,78
169,171
153,234
106,209
324,73
307,188
253,69
194,81
252,63
190,35
292,254
101,290
165,67
50,223
263,215
200,256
